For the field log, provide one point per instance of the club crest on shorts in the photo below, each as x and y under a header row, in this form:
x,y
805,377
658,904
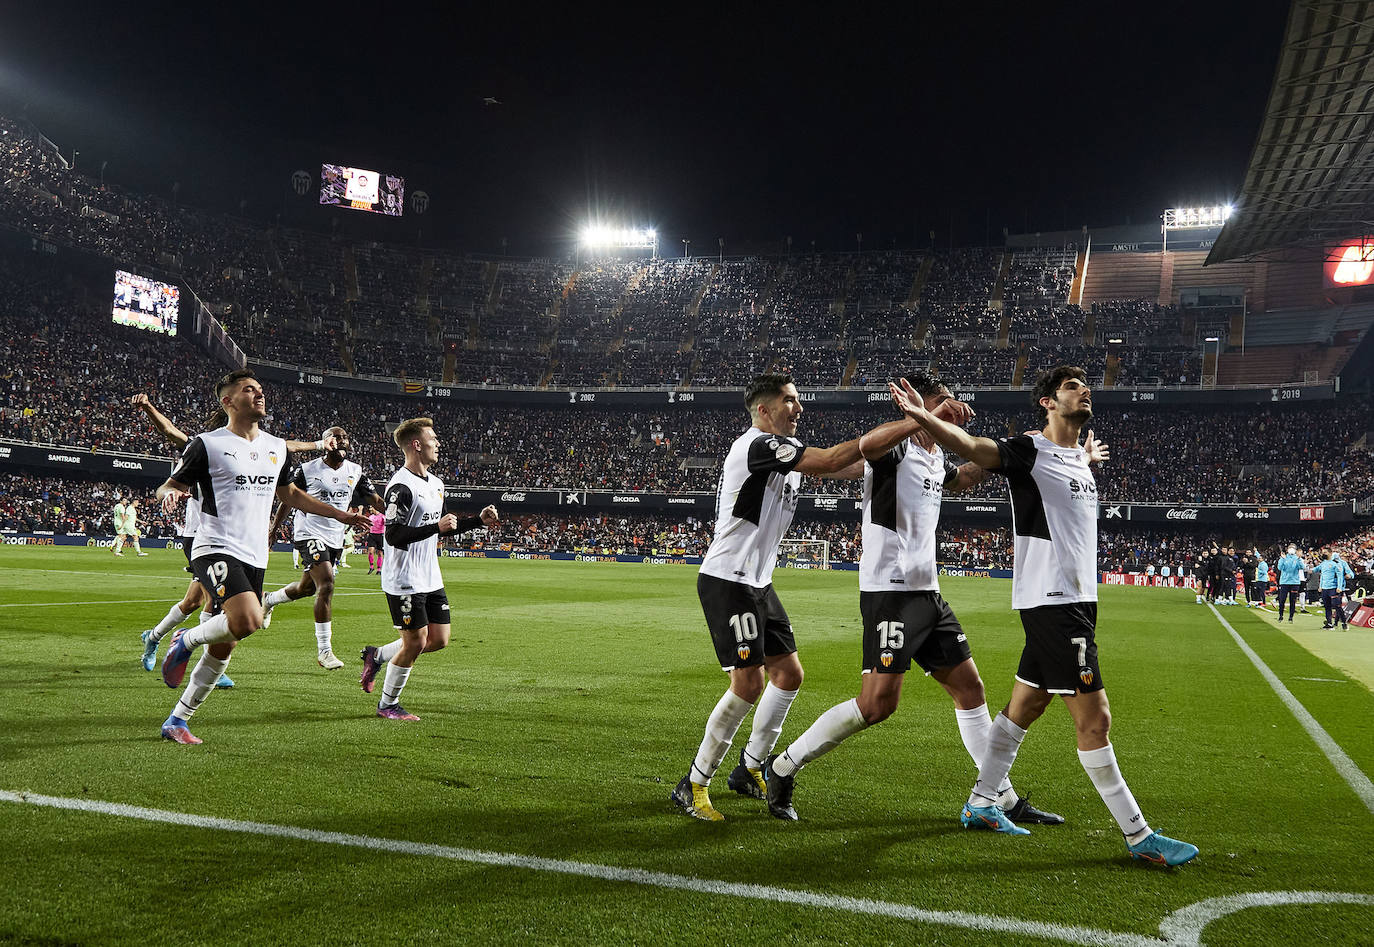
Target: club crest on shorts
x,y
1086,676
886,658
743,651
219,591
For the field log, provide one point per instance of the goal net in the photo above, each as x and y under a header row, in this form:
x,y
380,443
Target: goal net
x,y
804,554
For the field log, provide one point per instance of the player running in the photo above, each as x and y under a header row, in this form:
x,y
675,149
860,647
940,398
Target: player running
x,y
238,469
195,594
752,634
414,587
904,617
1054,587
341,483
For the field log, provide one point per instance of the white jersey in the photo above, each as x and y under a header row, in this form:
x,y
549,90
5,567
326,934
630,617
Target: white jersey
x,y
413,501
902,493
343,488
1054,519
236,479
190,518
755,500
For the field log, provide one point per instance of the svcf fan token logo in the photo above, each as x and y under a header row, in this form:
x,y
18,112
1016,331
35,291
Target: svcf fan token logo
x,y
1086,676
886,658
743,652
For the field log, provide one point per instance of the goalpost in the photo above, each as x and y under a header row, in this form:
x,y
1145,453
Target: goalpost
x,y
804,554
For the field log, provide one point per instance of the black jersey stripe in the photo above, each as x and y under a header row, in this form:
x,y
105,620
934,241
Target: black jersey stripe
x,y
749,501
883,505
1027,507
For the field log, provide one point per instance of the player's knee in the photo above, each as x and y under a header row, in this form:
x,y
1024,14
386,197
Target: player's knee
x,y
244,622
787,678
1097,725
877,709
750,690
324,587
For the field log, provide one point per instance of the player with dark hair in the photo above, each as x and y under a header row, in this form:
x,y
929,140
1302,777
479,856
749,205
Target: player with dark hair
x,y
755,500
1290,568
341,483
414,587
1054,587
237,470
904,617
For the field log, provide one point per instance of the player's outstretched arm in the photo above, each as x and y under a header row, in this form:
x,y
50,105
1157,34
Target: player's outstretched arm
x,y
293,495
829,461
969,476
160,421
297,447
981,450
884,437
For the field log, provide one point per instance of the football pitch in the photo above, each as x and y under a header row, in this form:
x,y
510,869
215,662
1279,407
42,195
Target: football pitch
x,y
530,802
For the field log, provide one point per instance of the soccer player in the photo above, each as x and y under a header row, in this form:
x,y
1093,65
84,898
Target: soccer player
x,y
1054,587
1290,581
126,526
755,501
904,616
415,519
195,594
341,483
1260,588
376,527
238,469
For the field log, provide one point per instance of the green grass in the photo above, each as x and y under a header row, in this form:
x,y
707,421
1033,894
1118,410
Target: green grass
x,y
570,701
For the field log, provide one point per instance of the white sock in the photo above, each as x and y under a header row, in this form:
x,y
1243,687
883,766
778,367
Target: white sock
x,y
213,631
137,547
974,726
768,720
837,723
1106,776
323,634
273,599
202,682
206,614
396,678
1004,739
721,727
295,558
119,543
173,618
388,651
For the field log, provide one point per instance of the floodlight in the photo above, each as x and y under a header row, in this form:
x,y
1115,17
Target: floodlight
x,y
1116,341
1211,338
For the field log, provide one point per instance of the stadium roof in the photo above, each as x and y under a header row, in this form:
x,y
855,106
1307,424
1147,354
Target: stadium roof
x,y
1310,183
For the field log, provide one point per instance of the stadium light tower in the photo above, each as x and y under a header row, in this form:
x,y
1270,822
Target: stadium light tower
x,y
599,237
1194,218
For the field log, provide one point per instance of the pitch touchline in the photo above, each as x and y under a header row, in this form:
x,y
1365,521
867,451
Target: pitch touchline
x,y
639,876
1184,927
126,601
1351,773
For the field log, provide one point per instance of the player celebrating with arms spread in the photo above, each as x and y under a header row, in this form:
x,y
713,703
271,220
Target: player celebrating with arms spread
x,y
415,519
752,634
237,469
341,483
1054,587
904,617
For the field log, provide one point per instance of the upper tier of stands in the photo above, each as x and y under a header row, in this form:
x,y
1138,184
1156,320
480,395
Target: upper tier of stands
x,y
980,316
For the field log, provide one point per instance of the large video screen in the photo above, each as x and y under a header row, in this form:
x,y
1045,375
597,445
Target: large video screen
x,y
145,303
361,189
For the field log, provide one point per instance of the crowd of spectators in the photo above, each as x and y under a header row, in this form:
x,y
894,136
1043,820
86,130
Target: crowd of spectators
x,y
32,503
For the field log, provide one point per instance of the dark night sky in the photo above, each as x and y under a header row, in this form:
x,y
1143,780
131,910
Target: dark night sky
x,y
809,121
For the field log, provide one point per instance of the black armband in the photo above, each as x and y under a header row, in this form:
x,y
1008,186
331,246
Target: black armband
x,y
401,536
466,523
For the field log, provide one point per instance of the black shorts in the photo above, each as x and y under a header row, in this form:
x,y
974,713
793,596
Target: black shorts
x,y
1060,655
746,624
186,543
900,627
315,551
224,577
418,609
374,541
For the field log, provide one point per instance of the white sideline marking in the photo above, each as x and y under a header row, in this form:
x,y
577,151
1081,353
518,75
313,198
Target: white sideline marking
x,y
1184,927
639,876
127,601
1321,680
1351,773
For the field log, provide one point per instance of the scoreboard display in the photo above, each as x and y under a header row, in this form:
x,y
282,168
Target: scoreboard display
x,y
361,189
145,303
